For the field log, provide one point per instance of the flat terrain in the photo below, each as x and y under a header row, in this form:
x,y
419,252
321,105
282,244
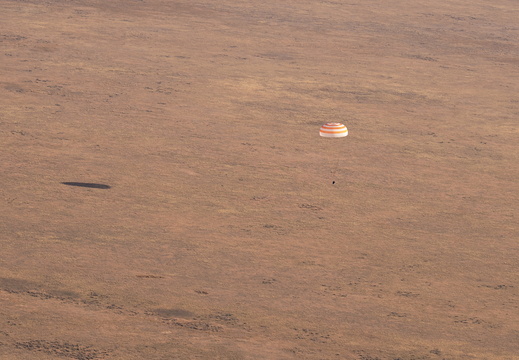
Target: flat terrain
x,y
219,232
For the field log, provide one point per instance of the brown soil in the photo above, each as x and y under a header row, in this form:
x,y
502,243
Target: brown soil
x,y
215,230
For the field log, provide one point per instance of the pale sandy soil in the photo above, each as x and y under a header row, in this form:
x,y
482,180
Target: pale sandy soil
x,y
222,235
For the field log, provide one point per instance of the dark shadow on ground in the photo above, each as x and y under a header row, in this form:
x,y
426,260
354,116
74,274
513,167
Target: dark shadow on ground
x,y
87,185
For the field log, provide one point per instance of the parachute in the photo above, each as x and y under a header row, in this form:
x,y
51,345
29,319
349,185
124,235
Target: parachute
x,y
333,130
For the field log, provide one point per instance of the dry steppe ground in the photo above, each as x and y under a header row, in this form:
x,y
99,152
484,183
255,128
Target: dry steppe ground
x,y
222,235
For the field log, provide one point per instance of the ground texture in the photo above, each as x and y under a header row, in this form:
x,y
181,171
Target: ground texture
x,y
223,234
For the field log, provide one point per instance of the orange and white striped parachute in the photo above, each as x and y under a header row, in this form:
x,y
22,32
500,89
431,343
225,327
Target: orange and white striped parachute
x,y
333,130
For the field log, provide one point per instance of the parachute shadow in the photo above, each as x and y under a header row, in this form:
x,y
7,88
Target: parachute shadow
x,y
87,185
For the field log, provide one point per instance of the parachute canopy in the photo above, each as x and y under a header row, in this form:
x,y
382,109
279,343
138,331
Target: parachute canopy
x,y
333,130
